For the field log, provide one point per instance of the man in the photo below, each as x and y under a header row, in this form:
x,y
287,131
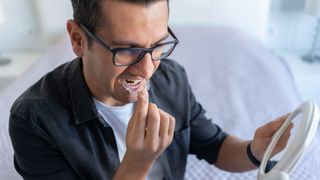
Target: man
x,y
94,117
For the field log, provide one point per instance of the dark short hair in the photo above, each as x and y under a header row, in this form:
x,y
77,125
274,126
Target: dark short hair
x,y
88,12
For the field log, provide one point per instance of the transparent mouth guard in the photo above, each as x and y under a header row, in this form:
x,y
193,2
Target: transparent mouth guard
x,y
146,86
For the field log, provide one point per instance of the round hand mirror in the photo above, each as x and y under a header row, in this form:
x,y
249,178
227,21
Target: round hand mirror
x,y
309,112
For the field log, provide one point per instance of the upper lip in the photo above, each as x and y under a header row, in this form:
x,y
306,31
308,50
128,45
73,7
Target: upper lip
x,y
133,79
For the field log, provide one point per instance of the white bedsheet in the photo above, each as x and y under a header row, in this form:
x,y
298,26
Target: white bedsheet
x,y
242,86
239,82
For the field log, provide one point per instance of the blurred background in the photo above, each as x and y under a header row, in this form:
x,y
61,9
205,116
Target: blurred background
x,y
255,51
285,27
279,24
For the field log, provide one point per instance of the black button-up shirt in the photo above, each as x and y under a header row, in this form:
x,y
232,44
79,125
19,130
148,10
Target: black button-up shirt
x,y
57,133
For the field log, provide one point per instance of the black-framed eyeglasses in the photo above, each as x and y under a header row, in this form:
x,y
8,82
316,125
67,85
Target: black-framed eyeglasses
x,y
130,56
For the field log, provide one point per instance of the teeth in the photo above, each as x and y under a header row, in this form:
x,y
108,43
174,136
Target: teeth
x,y
131,85
133,81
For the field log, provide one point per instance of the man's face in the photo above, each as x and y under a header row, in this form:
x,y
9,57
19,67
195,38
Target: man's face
x,y
129,25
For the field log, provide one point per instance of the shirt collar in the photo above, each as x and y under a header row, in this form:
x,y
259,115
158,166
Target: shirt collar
x,y
82,104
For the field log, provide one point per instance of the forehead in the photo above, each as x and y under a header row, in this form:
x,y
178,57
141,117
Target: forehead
x,y
119,12
134,22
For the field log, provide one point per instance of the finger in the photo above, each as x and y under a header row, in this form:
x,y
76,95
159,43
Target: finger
x,y
139,117
164,124
172,125
270,128
153,126
283,141
141,104
286,134
281,144
279,121
287,131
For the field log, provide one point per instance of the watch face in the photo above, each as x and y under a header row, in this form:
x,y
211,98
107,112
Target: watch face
x,y
305,121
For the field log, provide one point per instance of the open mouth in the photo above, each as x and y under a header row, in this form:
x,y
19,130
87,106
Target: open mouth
x,y
133,85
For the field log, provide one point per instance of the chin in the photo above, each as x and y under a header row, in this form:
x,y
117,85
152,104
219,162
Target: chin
x,y
132,97
128,98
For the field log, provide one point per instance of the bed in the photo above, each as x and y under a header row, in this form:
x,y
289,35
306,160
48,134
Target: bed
x,y
240,83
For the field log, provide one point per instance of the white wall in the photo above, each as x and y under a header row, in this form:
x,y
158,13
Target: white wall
x,y
290,27
281,24
250,16
20,28
53,17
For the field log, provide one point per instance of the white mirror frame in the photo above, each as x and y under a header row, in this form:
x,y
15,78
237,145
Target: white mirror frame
x,y
294,152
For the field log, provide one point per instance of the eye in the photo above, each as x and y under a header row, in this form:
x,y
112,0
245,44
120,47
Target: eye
x,y
130,52
163,51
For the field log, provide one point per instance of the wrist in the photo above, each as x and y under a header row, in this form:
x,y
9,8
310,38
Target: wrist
x,y
251,157
256,162
132,169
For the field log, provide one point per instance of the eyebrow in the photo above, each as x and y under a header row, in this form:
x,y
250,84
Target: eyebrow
x,y
134,44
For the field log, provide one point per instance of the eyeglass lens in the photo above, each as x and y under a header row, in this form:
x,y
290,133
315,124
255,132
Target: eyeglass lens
x,y
131,56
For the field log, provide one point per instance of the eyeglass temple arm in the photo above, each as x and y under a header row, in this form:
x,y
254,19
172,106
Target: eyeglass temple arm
x,y
174,36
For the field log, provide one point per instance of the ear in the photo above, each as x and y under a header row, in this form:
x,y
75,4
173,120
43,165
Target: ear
x,y
77,38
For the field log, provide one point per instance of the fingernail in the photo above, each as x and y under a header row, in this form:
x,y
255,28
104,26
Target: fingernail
x,y
143,94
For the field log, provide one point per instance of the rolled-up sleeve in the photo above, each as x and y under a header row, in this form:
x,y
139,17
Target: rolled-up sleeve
x,y
206,137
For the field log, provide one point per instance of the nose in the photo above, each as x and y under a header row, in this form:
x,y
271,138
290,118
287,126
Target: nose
x,y
144,68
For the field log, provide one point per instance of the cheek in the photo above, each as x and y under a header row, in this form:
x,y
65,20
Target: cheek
x,y
103,62
109,74
104,70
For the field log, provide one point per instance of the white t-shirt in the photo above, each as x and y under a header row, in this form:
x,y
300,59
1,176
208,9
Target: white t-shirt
x,y
118,118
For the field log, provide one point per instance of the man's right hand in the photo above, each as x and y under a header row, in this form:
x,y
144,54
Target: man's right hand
x,y
150,131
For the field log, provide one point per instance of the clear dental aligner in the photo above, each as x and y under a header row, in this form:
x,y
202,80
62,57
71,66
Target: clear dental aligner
x,y
125,85
147,85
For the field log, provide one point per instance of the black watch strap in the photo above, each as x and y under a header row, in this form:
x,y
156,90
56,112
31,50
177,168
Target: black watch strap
x,y
254,160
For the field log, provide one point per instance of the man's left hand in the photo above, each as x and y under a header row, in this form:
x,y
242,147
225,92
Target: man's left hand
x,y
263,136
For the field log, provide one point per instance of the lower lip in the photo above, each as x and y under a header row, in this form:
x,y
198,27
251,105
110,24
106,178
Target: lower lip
x,y
136,87
133,89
